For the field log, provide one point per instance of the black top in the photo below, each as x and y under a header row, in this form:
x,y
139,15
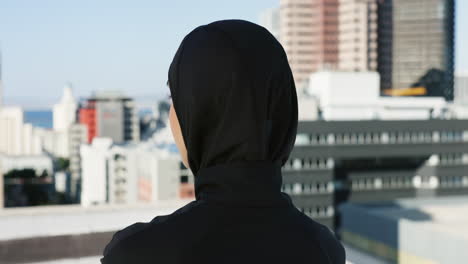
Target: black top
x,y
234,220
235,99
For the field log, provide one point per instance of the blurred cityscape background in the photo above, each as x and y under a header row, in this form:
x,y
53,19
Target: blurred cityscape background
x,y
381,155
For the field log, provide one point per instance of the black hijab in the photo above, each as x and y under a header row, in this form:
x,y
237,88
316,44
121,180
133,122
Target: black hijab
x,y
234,95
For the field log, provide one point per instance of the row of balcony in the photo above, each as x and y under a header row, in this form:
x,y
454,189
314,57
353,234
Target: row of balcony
x,y
319,211
378,183
381,138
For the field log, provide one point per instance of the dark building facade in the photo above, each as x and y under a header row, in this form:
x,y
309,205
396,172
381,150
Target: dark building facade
x,y
358,161
416,45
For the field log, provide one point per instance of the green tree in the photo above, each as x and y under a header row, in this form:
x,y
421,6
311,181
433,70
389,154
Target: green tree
x,y
21,174
63,164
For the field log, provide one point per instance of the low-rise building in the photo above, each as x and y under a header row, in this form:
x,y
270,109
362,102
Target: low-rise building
x,y
94,169
128,173
356,96
374,160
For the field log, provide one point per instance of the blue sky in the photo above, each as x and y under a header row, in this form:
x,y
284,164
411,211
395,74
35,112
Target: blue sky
x,y
115,44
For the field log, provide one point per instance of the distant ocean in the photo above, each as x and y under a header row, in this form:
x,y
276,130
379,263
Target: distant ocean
x,y
39,118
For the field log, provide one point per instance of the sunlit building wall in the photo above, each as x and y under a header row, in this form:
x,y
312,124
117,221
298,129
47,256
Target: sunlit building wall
x,y
122,175
128,173
64,112
139,174
461,88
309,35
336,101
11,130
357,35
52,142
94,166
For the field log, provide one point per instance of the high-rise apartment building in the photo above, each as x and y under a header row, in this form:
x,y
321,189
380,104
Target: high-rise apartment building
x,y
416,46
77,135
65,110
309,34
110,114
409,42
11,130
357,35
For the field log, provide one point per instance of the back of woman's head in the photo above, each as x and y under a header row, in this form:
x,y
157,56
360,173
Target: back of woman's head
x,y
234,95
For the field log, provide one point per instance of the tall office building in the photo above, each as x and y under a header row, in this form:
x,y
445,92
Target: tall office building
x,y
416,46
309,34
110,114
11,130
77,136
65,110
357,35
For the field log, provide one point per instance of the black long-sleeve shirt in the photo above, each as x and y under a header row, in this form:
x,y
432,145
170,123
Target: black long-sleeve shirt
x,y
240,222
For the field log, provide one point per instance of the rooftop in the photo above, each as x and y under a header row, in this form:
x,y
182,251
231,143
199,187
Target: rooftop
x,y
445,214
428,229
75,219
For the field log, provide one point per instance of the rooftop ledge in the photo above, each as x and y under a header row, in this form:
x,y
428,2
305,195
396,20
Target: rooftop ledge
x,y
17,223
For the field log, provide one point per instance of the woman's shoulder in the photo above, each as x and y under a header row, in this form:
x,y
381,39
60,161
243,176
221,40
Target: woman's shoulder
x,y
325,238
138,236
332,246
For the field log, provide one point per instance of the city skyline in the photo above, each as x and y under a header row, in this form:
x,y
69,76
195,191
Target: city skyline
x,y
88,144
118,46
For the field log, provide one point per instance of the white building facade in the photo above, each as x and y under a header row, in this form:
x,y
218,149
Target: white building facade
x,y
355,96
128,174
94,169
64,113
19,138
461,88
11,131
357,35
